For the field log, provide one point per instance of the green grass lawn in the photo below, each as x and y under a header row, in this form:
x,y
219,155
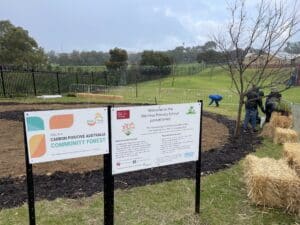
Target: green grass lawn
x,y
223,196
223,201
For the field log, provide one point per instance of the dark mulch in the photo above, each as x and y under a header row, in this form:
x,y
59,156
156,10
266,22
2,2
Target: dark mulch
x,y
76,185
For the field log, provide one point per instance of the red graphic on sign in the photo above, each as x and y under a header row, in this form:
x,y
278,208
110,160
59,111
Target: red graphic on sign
x,y
123,114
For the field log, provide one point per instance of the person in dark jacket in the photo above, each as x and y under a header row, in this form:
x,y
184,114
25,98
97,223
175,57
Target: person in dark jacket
x,y
215,98
254,99
261,94
272,101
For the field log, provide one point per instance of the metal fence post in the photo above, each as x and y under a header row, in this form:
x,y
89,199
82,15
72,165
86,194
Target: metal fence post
x,y
76,77
136,84
92,77
33,81
106,80
2,79
58,85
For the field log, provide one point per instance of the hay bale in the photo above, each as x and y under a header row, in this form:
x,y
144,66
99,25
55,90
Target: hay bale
x,y
275,114
291,153
278,120
272,183
268,130
282,135
102,96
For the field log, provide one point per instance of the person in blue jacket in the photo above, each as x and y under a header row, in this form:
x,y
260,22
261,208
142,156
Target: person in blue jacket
x,y
215,98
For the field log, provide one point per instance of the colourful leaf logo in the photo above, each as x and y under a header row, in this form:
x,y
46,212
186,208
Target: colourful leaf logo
x,y
98,119
61,121
91,122
35,123
127,128
37,145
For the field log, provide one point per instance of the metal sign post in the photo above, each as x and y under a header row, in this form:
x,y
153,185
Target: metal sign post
x,y
125,115
90,127
30,185
108,179
198,167
107,172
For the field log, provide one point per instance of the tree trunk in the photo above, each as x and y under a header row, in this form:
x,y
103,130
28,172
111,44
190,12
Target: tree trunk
x,y
238,119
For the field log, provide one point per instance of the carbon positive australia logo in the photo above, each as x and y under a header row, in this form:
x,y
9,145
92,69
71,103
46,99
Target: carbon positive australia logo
x,y
36,130
37,141
127,128
98,118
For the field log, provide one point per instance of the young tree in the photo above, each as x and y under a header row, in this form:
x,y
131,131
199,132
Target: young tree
x,y
266,29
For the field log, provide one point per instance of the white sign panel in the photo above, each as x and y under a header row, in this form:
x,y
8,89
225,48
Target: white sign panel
x,y
151,136
66,134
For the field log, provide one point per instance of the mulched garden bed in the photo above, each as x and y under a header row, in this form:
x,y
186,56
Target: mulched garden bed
x,y
76,185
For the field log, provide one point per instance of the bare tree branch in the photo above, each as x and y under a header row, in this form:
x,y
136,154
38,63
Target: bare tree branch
x,y
261,35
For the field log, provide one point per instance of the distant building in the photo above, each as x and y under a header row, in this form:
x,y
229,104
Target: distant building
x,y
274,61
298,74
296,61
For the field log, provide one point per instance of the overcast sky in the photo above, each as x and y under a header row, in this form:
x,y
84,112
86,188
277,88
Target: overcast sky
x,y
66,25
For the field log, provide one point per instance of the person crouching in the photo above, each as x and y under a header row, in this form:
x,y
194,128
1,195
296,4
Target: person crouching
x,y
215,98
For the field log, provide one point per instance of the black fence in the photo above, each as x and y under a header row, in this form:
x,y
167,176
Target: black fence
x,y
16,82
31,82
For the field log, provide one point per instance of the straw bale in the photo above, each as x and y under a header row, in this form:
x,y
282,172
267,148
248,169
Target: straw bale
x,y
291,152
278,120
275,114
268,130
91,95
282,135
272,183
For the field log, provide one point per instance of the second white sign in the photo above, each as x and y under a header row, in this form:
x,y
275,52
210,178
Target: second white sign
x,y
151,136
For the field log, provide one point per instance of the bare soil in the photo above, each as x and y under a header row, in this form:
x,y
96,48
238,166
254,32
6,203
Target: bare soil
x,y
12,159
